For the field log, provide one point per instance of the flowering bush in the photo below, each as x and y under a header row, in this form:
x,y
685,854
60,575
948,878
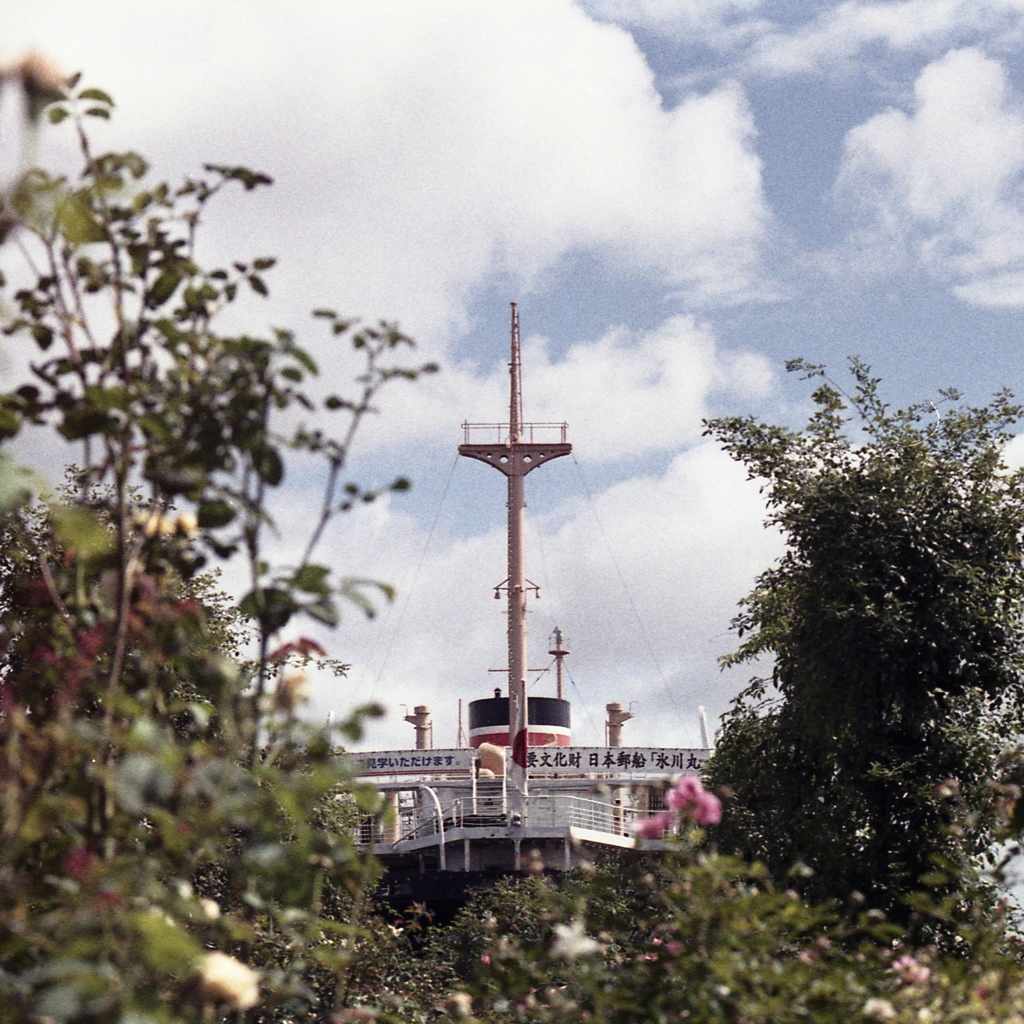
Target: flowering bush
x,y
689,936
687,800
172,836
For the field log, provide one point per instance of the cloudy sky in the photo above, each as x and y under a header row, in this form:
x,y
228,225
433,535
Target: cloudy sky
x,y
681,194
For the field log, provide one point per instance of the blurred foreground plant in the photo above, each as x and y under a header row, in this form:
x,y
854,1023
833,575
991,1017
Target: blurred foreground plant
x,y
691,936
165,816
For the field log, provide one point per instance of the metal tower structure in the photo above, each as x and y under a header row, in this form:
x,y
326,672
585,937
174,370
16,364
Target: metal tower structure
x,y
560,652
515,449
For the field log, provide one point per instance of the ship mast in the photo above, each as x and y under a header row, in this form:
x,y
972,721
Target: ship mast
x,y
515,457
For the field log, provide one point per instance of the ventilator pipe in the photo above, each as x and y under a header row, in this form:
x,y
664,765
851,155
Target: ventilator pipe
x,y
420,718
613,727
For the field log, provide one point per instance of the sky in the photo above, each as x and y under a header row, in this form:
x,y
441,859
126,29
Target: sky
x,y
680,194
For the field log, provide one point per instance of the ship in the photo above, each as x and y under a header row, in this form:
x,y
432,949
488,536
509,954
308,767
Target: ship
x,y
519,795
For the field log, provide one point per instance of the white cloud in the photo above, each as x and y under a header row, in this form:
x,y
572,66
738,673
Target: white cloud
x,y
946,181
643,580
643,576
418,148
839,34
1013,453
507,137
630,395
625,394
718,23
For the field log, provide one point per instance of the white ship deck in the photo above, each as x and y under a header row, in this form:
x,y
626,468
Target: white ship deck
x,y
444,816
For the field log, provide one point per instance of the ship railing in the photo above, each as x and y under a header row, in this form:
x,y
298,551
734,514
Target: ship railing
x,y
411,825
545,810
490,796
501,433
559,810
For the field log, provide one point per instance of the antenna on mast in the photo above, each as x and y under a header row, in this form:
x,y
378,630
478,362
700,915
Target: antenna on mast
x,y
559,649
515,458
515,405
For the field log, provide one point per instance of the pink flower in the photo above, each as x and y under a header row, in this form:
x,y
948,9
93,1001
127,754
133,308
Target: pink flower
x,y
708,810
655,826
911,972
692,800
686,790
79,863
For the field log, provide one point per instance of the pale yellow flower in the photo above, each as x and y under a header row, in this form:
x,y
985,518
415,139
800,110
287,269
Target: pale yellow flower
x,y
224,979
572,941
210,908
292,689
187,525
881,1009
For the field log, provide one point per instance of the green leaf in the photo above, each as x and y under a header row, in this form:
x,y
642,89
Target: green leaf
x,y
166,947
16,484
98,112
109,398
324,610
214,513
303,357
214,675
352,589
10,422
312,579
96,94
42,335
257,284
56,114
267,463
78,223
163,287
272,607
82,422
78,529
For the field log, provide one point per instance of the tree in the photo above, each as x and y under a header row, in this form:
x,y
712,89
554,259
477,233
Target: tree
x,y
167,822
894,627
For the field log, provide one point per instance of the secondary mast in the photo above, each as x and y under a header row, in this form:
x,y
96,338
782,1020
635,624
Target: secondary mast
x,y
515,457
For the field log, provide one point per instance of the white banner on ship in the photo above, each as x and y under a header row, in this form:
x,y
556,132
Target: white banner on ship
x,y
614,760
412,762
548,761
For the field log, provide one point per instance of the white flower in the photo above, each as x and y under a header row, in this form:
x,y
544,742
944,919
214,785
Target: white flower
x,y
224,979
460,1005
210,909
881,1009
572,941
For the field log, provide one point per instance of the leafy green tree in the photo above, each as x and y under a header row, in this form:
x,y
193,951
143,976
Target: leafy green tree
x,y
171,839
893,627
